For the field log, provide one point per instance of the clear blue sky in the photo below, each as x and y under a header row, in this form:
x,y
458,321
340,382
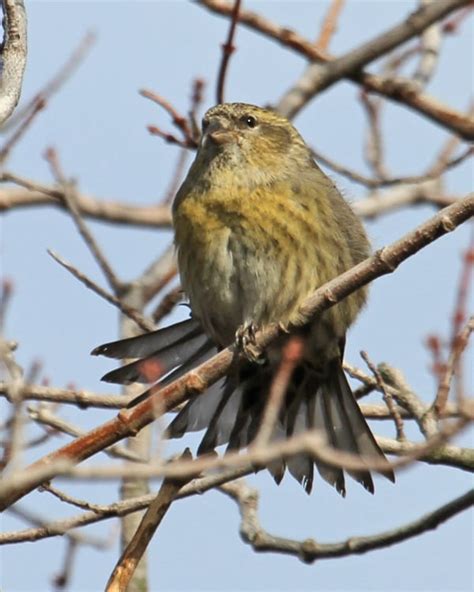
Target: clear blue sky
x,y
97,123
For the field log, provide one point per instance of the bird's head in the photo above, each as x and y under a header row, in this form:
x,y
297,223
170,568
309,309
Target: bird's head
x,y
238,134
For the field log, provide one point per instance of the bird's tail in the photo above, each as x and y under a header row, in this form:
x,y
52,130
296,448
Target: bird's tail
x,y
232,413
231,410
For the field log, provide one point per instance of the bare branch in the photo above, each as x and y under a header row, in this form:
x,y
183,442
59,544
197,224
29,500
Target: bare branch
x,y
329,25
37,194
228,49
13,53
401,91
129,422
127,564
139,319
310,550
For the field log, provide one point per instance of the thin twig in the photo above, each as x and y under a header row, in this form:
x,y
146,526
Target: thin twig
x,y
70,198
179,121
139,319
228,49
458,347
387,397
329,25
290,356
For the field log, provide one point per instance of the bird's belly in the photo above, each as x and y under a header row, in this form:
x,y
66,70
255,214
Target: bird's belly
x,y
232,280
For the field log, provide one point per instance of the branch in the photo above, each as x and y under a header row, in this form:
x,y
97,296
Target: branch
x,y
327,74
129,422
37,194
397,90
118,509
133,553
310,550
228,49
13,54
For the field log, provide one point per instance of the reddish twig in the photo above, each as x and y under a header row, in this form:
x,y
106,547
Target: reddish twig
x,y
435,347
170,138
464,287
291,355
457,349
228,49
329,25
179,121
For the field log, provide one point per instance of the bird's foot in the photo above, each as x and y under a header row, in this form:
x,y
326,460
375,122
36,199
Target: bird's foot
x,y
245,338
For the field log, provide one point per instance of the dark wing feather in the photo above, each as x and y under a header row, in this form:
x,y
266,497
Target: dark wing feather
x,y
149,343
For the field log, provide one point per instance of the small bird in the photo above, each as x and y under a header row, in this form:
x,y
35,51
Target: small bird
x,y
258,228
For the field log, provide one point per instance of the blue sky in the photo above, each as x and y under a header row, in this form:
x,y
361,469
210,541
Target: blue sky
x,y
98,125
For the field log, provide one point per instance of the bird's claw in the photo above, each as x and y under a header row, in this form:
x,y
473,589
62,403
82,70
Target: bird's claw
x,y
245,337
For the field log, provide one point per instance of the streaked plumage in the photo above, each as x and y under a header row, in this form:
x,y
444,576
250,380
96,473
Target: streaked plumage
x,y
258,227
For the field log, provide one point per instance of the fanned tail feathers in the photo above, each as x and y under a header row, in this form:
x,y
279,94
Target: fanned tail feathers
x,y
231,410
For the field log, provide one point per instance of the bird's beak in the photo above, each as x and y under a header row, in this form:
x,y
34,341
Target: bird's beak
x,y
218,133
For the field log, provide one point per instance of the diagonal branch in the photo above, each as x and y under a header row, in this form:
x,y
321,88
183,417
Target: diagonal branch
x,y
129,422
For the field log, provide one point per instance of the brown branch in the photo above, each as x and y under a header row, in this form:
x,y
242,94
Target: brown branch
x,y
42,525
329,25
37,194
81,398
171,138
310,550
404,395
130,312
45,417
129,422
117,509
84,399
228,49
349,65
179,121
397,90
128,561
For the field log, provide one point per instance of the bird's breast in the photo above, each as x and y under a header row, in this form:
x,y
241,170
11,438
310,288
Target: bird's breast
x,y
240,261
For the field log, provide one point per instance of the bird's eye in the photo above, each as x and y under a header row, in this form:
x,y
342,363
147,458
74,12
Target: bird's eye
x,y
204,124
249,120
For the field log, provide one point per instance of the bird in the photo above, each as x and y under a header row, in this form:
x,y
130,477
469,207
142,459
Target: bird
x,y
258,228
